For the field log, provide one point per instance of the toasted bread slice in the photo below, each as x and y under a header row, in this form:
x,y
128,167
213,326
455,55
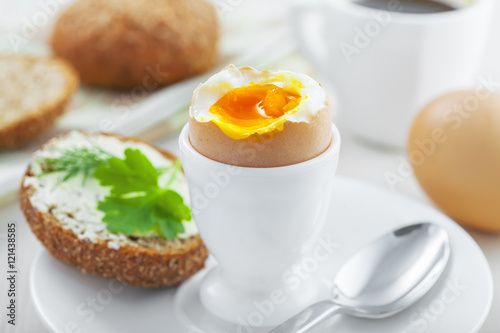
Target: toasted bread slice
x,y
35,92
70,230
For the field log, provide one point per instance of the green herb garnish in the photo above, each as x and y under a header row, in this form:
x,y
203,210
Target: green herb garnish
x,y
136,204
76,161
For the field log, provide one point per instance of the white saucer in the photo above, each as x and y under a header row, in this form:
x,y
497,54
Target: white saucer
x,y
359,213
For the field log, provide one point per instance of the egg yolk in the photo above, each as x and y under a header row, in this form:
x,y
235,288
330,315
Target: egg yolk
x,y
250,108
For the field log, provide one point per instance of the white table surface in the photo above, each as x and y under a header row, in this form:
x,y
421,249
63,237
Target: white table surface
x,y
357,160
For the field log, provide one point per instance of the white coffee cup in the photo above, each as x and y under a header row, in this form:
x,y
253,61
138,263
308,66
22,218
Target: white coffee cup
x,y
386,65
257,223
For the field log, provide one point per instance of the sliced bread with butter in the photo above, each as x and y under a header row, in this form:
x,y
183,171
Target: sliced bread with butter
x,y
65,213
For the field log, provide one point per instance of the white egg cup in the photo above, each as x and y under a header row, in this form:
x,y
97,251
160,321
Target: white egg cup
x,y
258,223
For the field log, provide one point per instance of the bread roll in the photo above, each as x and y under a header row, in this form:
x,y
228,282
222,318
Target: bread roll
x,y
127,43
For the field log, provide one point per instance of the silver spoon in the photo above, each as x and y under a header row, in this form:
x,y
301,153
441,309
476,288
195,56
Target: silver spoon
x,y
383,278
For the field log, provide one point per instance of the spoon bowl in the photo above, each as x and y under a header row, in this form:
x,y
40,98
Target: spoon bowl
x,y
383,278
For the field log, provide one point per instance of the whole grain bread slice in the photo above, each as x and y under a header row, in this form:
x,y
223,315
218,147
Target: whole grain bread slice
x,y
34,93
142,261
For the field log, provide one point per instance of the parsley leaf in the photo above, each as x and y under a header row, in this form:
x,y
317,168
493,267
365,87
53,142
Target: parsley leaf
x,y
136,204
123,214
135,173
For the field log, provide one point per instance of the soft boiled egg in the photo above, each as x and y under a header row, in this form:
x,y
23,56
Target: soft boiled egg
x,y
246,117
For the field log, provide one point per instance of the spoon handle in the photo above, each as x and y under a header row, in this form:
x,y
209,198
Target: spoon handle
x,y
308,318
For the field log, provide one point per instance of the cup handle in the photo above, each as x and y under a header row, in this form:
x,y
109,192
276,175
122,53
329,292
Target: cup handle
x,y
317,53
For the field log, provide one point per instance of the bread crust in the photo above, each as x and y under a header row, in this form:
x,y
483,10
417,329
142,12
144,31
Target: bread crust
x,y
124,44
26,129
135,265
297,142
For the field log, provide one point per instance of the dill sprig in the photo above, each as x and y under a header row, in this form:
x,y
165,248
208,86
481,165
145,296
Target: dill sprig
x,y
71,162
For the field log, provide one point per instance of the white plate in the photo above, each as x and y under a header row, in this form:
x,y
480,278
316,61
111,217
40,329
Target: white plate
x,y
69,301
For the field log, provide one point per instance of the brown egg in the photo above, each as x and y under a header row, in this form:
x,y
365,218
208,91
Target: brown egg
x,y
252,118
454,148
